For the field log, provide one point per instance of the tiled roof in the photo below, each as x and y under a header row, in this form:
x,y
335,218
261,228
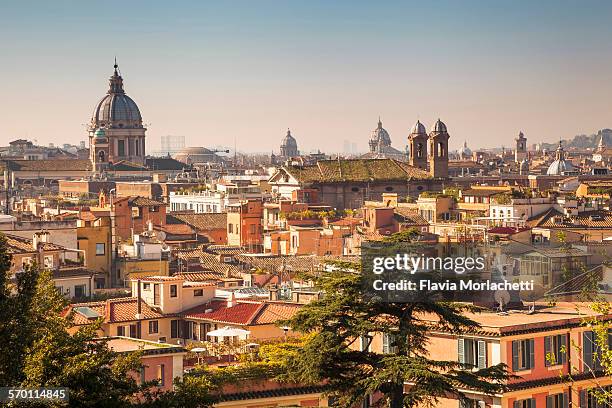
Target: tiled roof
x,y
589,219
49,165
299,263
141,201
205,276
225,249
344,170
408,217
481,192
164,163
244,313
176,229
201,222
116,311
127,166
19,245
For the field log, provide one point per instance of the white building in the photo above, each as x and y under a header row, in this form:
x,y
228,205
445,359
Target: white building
x,y
214,201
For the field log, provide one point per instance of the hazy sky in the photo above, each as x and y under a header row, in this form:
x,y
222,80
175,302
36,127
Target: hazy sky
x,y
218,70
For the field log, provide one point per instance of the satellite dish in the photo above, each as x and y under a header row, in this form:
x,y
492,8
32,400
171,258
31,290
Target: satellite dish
x,y
161,235
502,297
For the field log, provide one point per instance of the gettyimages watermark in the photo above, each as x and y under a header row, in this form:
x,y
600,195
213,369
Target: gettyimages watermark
x,y
404,272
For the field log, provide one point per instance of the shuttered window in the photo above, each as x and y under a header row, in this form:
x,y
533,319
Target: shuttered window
x,y
525,403
522,355
557,401
555,350
472,352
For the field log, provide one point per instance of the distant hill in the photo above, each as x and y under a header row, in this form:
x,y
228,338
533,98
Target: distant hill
x,y
584,141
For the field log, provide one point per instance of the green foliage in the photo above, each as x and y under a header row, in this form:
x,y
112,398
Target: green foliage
x,y
330,352
409,235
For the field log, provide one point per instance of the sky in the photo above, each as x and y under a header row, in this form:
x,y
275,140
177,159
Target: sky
x,y
219,71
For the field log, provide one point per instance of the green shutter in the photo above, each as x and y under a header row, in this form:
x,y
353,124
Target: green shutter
x,y
550,401
461,350
587,350
547,352
515,356
482,354
531,356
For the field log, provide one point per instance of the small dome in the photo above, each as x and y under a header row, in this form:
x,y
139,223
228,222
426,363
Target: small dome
x,y
560,167
418,129
100,133
380,136
465,151
289,141
439,127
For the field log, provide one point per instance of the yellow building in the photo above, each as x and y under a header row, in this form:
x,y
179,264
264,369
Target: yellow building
x,y
94,242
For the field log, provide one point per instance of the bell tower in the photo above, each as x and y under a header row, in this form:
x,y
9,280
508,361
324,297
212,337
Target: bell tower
x,y
438,150
521,148
417,142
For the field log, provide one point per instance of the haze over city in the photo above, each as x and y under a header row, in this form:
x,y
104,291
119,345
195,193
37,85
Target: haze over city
x,y
215,71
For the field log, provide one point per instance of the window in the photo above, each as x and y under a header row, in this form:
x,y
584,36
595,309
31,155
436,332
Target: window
x,y
153,326
146,286
174,329
133,331
230,228
48,261
522,355
135,212
26,261
388,341
589,399
555,350
198,292
473,352
557,401
160,375
121,148
526,403
120,330
471,403
100,248
173,290
364,343
591,351
80,291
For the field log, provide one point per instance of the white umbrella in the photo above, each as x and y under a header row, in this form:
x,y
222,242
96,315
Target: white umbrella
x,y
228,332
198,350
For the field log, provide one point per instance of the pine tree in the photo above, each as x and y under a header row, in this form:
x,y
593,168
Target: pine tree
x,y
405,376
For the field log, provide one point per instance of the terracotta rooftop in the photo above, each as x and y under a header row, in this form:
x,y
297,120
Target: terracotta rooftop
x,y
19,245
201,222
243,312
344,170
114,311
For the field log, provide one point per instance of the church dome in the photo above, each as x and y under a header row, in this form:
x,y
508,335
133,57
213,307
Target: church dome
x,y
380,136
418,129
465,151
560,166
289,141
439,127
116,109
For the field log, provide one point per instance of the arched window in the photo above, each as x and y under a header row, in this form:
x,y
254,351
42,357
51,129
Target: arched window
x,y
419,150
101,156
441,149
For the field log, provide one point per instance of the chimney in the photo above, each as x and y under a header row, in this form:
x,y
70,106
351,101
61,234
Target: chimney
x,y
390,199
231,300
39,237
150,226
138,309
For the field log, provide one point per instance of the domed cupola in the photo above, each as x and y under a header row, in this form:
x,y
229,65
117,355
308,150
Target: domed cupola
x,y
560,166
439,127
465,152
380,138
288,147
418,129
116,109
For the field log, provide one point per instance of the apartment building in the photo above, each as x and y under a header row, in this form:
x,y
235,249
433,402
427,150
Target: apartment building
x,y
540,348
